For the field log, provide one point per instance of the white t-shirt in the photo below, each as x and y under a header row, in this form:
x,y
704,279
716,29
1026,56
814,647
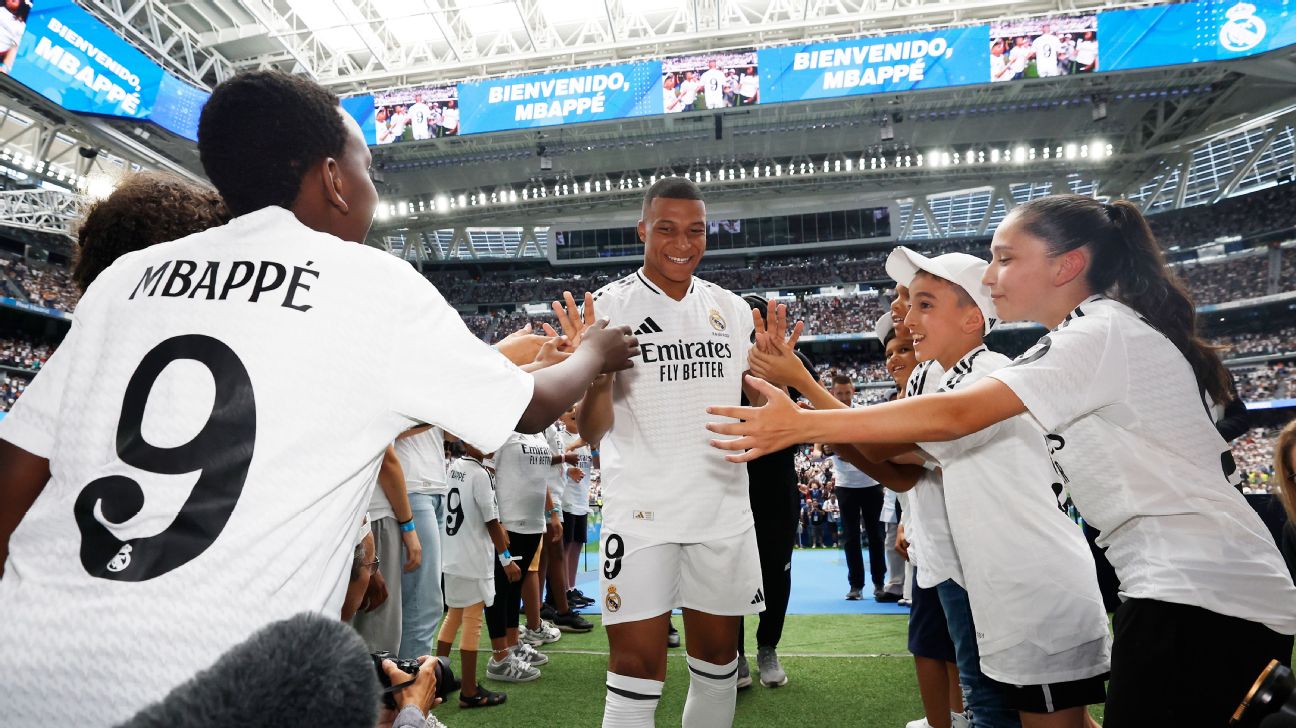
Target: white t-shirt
x,y
1144,463
1086,52
419,115
522,475
557,469
1026,565
849,476
1017,58
379,506
11,31
575,495
689,91
662,480
1046,49
398,122
383,131
999,69
298,408
931,546
450,119
467,549
422,459
749,84
671,100
713,81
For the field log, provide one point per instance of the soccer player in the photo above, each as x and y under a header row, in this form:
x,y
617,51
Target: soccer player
x,y
1117,383
670,95
713,84
200,481
1045,49
677,522
999,68
420,116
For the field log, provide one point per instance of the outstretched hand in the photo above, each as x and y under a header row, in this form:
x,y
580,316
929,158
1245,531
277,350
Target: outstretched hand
x,y
763,430
772,335
573,320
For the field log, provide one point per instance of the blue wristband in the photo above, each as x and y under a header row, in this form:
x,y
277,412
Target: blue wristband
x,y
407,526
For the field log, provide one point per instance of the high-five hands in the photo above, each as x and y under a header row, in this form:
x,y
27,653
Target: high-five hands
x,y
763,430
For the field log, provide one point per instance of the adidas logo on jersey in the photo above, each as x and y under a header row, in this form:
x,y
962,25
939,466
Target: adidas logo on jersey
x,y
648,327
760,597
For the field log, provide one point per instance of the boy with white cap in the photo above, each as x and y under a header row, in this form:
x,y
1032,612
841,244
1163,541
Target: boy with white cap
x,y
1031,590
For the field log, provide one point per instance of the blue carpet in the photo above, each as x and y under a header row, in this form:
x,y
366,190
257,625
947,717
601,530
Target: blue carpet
x,y
818,585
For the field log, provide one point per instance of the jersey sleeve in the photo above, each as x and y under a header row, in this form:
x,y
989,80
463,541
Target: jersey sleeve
x,y
945,452
1071,372
484,495
439,373
33,421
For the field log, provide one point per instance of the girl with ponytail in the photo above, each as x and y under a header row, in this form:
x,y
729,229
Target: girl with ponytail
x,y
1117,388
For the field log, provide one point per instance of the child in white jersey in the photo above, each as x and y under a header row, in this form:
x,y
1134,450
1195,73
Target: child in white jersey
x,y
1117,385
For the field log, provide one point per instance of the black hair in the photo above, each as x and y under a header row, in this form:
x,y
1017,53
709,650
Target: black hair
x,y
1126,263
889,336
259,133
671,188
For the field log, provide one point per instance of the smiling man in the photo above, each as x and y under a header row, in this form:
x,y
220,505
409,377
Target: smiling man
x,y
677,517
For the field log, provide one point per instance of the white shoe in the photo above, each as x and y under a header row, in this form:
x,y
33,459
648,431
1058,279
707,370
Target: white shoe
x,y
920,723
511,669
959,720
536,637
530,655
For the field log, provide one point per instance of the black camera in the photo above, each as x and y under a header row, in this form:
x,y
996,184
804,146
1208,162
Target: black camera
x,y
1271,703
445,679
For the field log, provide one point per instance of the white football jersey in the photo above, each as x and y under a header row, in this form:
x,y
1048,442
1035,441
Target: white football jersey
x,y
1046,49
1026,565
422,458
557,469
214,421
420,116
467,549
931,546
575,496
749,85
661,477
522,475
713,82
1086,52
1146,466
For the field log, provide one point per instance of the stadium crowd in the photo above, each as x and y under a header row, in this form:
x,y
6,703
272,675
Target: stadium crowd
x,y
23,353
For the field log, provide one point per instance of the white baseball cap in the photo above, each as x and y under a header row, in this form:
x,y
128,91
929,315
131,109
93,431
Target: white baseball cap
x,y
884,327
961,269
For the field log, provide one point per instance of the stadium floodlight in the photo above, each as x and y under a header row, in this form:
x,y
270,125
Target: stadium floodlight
x,y
778,170
512,195
402,207
99,186
945,158
441,203
383,211
1070,151
463,200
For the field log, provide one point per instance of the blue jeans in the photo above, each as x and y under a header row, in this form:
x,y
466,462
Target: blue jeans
x,y
421,600
983,696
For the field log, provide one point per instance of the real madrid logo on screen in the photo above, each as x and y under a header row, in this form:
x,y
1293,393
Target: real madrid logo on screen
x,y
717,321
1243,30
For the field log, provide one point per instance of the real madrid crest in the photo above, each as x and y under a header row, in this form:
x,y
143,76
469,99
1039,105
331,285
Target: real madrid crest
x,y
613,600
717,321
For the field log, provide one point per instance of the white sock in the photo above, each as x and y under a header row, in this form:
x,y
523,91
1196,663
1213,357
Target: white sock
x,y
631,701
712,695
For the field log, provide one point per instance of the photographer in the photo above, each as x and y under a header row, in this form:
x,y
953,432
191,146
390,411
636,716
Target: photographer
x,y
415,701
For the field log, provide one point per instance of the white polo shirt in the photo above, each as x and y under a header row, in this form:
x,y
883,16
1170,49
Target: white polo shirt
x,y
662,480
248,378
467,549
1026,565
1145,466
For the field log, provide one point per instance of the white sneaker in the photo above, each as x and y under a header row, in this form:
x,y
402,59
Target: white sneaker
x,y
432,722
959,720
546,634
511,669
920,723
530,655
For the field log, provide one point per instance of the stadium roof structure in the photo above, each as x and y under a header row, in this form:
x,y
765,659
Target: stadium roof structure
x,y
363,45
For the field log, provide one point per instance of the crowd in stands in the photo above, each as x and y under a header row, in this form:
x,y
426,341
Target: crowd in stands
x,y
1252,214
1229,280
45,285
1268,382
1254,454
23,353
11,386
1258,344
